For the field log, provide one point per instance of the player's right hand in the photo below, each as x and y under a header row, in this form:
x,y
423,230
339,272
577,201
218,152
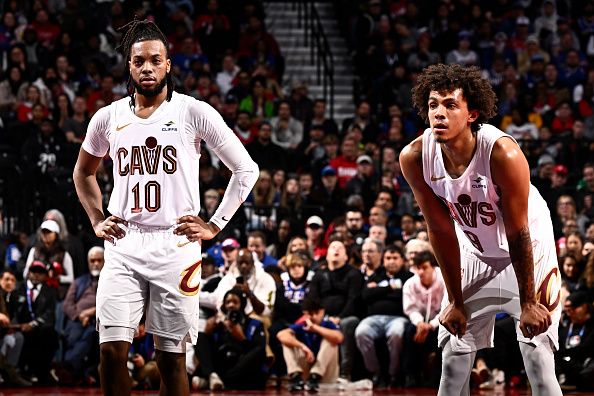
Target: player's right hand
x,y
534,319
453,318
109,229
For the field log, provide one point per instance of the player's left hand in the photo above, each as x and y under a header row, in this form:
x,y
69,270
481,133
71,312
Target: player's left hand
x,y
535,319
194,228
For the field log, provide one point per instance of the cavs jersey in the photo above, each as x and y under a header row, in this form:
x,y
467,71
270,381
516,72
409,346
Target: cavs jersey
x,y
155,160
489,284
472,198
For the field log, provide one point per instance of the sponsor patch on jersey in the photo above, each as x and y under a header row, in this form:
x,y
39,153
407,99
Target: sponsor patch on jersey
x,y
169,127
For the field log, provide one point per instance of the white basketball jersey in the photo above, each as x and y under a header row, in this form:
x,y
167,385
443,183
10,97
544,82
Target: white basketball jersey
x,y
155,170
472,199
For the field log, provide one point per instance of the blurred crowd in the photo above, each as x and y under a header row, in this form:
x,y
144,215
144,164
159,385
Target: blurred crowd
x,y
325,273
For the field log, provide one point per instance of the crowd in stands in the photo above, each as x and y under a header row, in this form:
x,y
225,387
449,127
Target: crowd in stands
x,y
325,274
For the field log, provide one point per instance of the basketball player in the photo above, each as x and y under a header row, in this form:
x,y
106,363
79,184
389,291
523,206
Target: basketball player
x,y
152,258
498,253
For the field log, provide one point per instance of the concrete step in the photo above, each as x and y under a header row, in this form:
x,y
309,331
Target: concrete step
x,y
289,29
339,54
338,90
339,68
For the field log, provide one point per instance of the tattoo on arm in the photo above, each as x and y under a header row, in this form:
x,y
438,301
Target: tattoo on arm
x,y
520,251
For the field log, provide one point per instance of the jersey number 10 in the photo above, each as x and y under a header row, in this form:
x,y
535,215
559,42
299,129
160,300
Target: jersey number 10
x,y
152,197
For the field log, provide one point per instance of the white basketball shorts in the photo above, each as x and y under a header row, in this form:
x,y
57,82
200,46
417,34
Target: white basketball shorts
x,y
151,271
490,286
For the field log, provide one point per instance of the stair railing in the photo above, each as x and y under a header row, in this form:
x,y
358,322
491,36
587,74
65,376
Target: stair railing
x,y
320,52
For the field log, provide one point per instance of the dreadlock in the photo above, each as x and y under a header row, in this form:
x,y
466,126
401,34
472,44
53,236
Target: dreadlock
x,y
137,31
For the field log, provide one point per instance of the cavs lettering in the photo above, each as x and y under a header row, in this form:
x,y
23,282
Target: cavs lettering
x,y
148,159
467,213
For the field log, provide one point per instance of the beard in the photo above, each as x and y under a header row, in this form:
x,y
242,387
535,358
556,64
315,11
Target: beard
x,y
150,92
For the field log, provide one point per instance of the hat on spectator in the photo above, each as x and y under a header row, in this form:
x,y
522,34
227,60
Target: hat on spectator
x,y
500,36
579,298
50,225
545,159
37,266
562,20
364,158
464,35
328,171
229,244
230,98
537,58
532,39
315,220
561,170
523,20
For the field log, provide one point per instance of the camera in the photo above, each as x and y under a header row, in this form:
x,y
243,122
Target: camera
x,y
234,316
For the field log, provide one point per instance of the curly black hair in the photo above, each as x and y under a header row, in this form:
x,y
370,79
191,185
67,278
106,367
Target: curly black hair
x,y
447,78
137,31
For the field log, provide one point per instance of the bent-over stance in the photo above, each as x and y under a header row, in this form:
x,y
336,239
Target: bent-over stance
x,y
489,227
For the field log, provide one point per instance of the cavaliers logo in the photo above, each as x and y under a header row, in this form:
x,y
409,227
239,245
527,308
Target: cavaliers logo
x,y
185,286
548,289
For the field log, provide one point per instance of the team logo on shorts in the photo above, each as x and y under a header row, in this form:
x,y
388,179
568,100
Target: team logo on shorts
x,y
186,285
549,289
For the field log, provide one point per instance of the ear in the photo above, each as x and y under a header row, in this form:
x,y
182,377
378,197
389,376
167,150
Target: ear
x,y
472,116
168,65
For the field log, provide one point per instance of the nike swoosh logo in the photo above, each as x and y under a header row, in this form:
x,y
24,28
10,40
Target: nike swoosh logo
x,y
433,178
224,218
120,127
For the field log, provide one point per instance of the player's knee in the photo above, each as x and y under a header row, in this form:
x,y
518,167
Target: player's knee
x,y
114,352
170,363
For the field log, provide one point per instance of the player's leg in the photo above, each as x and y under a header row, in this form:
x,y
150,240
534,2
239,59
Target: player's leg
x,y
455,372
121,294
172,366
113,370
539,362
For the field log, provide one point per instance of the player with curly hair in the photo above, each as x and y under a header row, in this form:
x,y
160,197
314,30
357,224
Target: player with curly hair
x,y
489,227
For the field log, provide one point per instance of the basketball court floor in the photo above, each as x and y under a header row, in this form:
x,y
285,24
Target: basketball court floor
x,y
56,391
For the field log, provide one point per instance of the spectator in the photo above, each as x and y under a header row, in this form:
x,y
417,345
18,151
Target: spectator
x,y
345,164
33,309
314,231
319,118
575,359
328,194
50,250
382,295
463,55
264,152
256,103
11,342
311,346
257,245
234,350
80,333
227,74
258,286
422,295
364,182
287,132
338,288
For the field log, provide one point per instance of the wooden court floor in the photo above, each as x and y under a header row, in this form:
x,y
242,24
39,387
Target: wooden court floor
x,y
63,391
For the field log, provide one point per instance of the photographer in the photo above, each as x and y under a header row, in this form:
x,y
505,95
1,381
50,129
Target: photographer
x,y
234,350
575,357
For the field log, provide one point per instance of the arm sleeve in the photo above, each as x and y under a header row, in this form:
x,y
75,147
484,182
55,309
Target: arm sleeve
x,y
96,142
211,128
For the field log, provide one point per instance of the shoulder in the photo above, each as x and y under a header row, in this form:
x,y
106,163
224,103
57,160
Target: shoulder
x,y
412,153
